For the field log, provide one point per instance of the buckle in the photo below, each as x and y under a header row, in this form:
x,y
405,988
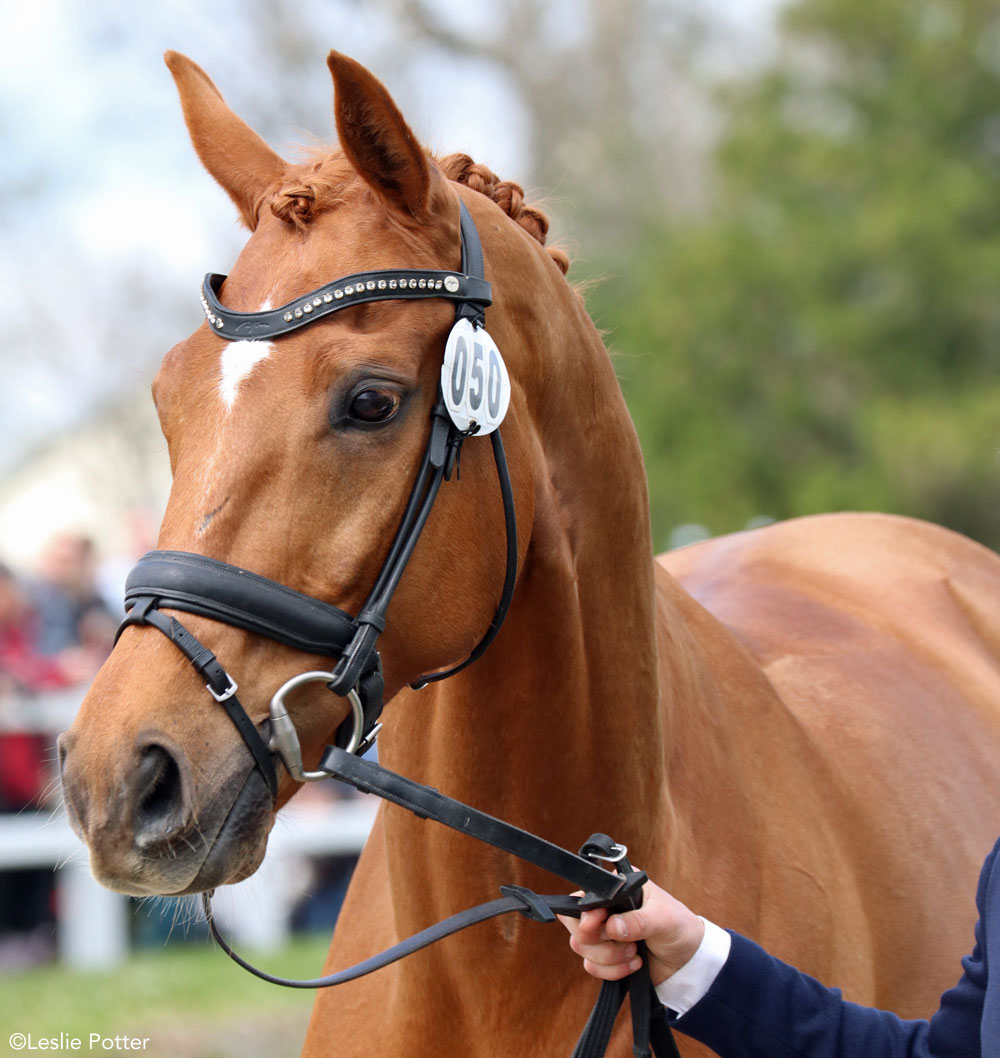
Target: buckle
x,y
601,847
224,695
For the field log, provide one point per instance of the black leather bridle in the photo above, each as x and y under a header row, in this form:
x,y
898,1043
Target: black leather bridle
x,y
197,584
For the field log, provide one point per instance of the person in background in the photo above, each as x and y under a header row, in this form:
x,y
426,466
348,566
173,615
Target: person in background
x,y
24,666
727,992
71,611
27,920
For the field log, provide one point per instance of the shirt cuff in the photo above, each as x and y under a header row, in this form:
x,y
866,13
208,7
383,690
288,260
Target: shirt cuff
x,y
691,982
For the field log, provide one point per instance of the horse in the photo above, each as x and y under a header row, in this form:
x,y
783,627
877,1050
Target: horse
x,y
795,728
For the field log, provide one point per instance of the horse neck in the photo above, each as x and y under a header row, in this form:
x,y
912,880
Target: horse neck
x,y
557,728
604,703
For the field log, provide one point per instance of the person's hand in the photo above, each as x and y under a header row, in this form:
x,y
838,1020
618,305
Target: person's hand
x,y
608,945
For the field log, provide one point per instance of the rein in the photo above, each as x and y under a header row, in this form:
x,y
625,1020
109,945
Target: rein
x,y
192,583
619,890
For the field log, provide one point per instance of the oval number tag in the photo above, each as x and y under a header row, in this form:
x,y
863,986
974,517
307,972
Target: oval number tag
x,y
474,379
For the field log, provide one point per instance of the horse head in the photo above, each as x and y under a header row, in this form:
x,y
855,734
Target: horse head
x,y
293,456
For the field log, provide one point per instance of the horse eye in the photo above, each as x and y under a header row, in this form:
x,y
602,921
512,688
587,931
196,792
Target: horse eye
x,y
374,405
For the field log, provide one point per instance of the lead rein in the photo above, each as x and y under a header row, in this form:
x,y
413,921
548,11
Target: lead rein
x,y
618,890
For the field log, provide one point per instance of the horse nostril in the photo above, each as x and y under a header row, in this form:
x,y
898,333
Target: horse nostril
x,y
159,809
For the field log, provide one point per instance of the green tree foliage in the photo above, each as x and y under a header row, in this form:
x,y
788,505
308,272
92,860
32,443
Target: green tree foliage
x,y
826,335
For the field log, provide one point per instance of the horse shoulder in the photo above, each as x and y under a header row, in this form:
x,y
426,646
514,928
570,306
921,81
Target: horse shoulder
x,y
866,627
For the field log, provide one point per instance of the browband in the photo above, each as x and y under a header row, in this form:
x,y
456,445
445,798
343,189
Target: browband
x,y
471,293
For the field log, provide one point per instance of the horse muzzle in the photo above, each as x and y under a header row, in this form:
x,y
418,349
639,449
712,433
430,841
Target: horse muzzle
x,y
146,832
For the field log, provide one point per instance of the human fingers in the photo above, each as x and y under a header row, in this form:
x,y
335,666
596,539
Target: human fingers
x,y
613,972
604,953
602,958
672,932
589,926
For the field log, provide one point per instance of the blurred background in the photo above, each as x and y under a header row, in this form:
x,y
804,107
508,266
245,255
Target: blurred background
x,y
786,220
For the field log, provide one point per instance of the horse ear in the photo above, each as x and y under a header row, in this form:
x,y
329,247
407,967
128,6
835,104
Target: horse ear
x,y
239,160
376,139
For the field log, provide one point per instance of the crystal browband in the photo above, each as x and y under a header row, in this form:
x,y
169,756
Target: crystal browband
x,y
405,284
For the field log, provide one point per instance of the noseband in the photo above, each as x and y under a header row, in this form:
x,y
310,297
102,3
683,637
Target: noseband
x,y
193,583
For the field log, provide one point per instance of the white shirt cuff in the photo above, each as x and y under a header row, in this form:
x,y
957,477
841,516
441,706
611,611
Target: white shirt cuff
x,y
691,982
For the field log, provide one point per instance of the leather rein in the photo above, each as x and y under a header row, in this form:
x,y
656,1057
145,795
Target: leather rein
x,y
193,583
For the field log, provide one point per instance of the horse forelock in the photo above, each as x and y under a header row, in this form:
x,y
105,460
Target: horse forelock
x,y
314,186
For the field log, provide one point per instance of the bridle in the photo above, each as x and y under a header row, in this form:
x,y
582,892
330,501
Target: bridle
x,y
197,584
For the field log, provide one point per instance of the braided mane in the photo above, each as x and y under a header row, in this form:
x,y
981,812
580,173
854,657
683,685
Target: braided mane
x,y
319,184
507,195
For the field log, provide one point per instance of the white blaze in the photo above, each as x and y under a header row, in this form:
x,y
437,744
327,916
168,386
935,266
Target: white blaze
x,y
238,360
236,363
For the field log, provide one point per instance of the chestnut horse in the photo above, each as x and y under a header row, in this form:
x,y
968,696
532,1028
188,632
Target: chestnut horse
x,y
796,729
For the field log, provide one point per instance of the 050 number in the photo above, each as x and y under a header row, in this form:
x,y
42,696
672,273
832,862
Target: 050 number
x,y
474,379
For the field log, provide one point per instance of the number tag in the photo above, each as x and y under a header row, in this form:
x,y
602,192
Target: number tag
x,y
474,379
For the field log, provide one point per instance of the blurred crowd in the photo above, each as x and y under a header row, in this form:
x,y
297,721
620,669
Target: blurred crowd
x,y
56,628
58,620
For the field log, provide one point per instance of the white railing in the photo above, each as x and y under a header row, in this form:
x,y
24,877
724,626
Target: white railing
x,y
41,714
93,922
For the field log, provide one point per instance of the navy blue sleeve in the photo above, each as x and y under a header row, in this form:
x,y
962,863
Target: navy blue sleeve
x,y
760,1007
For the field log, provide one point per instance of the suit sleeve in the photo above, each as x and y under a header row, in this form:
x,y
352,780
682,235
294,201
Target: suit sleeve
x,y
760,1007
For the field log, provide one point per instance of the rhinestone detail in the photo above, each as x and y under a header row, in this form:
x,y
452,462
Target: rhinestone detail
x,y
214,320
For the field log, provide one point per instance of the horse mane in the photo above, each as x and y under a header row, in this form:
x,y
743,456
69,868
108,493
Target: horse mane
x,y
507,195
320,185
